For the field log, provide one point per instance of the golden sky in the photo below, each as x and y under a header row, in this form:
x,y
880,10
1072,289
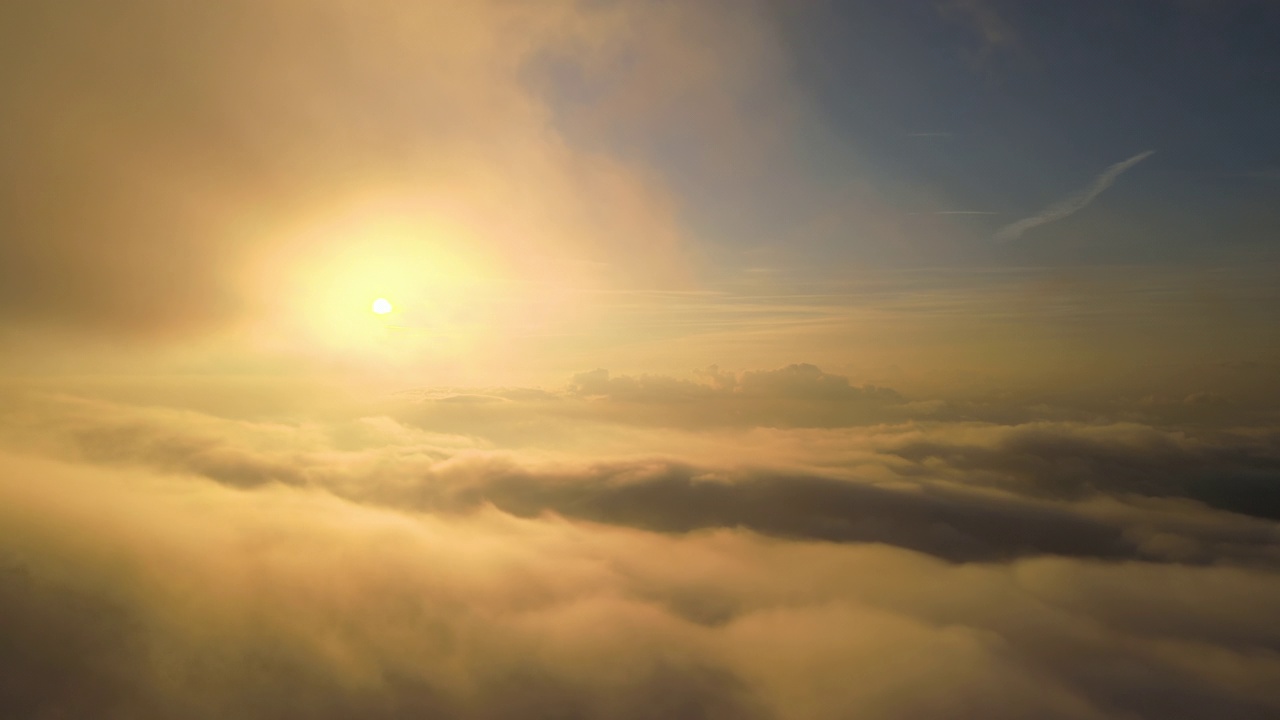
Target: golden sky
x,y
638,359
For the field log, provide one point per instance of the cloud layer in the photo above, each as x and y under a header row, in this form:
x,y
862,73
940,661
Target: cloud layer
x,y
557,554
229,490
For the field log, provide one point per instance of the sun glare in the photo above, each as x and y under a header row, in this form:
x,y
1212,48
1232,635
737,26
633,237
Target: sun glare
x,y
382,283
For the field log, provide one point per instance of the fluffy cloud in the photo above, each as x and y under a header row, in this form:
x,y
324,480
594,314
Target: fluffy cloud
x,y
172,553
132,595
792,452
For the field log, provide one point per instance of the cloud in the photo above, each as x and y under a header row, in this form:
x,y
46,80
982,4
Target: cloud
x,y
167,553
156,597
963,491
1073,204
1239,472
799,395
169,170
954,526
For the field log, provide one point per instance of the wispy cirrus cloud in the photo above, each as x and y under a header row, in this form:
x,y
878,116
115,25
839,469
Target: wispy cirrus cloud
x,y
1072,204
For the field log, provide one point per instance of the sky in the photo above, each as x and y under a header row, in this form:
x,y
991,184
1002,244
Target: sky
x,y
765,359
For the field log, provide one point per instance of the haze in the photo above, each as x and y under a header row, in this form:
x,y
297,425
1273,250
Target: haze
x,y
635,359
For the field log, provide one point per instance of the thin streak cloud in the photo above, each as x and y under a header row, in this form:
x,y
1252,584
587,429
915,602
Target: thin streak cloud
x,y
1073,204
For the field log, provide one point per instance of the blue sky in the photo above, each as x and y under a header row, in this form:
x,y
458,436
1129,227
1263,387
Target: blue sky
x,y
952,119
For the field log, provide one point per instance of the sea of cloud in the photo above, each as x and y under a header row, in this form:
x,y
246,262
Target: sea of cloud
x,y
771,544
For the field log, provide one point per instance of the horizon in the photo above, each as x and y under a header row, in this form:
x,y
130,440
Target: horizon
x,y
640,359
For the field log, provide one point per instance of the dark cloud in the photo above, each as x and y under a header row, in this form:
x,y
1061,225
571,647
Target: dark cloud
x,y
950,525
1239,472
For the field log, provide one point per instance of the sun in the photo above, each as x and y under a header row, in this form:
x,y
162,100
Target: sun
x,y
382,306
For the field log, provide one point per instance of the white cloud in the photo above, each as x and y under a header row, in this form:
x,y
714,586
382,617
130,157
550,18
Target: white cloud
x,y
1073,204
